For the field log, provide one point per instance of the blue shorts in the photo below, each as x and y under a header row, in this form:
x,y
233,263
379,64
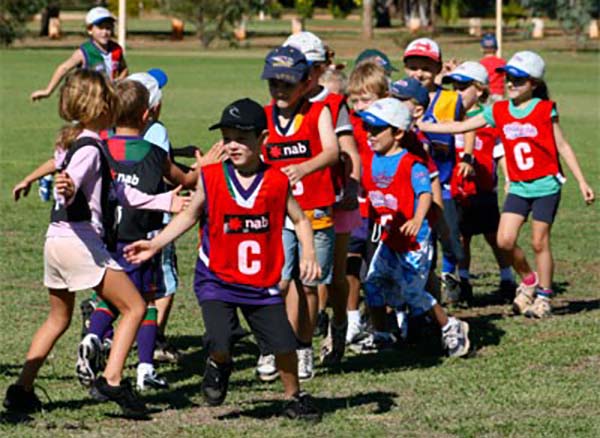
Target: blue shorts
x,y
324,242
147,277
542,209
395,279
169,270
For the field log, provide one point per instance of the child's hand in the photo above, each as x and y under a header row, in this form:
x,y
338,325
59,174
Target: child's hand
x,y
587,192
465,169
64,185
21,189
179,203
411,227
39,94
309,269
139,251
294,172
214,155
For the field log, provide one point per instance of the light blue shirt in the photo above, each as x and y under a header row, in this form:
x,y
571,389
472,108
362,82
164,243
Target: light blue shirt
x,y
157,135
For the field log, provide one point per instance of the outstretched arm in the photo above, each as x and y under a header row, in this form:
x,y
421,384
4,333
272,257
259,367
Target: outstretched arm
x,y
23,187
75,60
453,127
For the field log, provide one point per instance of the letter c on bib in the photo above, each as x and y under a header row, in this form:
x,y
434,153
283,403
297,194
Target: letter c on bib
x,y
521,149
245,250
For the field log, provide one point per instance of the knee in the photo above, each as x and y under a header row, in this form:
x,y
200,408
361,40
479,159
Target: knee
x,y
505,242
59,323
539,244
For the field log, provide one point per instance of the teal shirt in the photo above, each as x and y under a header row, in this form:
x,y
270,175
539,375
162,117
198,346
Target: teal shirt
x,y
545,186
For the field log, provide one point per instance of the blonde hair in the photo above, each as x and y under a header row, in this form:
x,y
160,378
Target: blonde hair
x,y
133,99
368,76
65,136
85,97
331,75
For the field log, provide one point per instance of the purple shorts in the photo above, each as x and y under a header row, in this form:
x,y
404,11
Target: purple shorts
x,y
148,276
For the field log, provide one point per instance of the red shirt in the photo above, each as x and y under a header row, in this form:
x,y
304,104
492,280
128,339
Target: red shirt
x,y
491,63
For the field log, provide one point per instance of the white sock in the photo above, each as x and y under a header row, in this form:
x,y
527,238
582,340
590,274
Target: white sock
x,y
448,324
506,274
353,316
402,323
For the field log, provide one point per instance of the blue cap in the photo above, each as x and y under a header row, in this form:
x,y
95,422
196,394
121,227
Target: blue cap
x,y
488,41
285,63
377,56
410,88
160,76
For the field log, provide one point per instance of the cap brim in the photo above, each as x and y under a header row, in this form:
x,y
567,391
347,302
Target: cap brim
x,y
160,76
232,125
372,119
290,76
100,20
422,54
456,77
513,71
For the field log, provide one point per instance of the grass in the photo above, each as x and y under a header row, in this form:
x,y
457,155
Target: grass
x,y
528,378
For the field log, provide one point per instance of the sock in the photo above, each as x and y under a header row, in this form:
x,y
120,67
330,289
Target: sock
x,y
464,274
146,336
506,274
109,334
101,320
530,279
544,293
353,316
448,266
401,319
304,345
448,324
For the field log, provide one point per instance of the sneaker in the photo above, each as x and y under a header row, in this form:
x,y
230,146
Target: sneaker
x,y
525,297
375,343
21,401
90,359
334,345
455,338
147,378
164,352
124,396
508,289
466,291
540,308
215,382
87,308
355,332
305,364
450,288
302,407
266,371
322,323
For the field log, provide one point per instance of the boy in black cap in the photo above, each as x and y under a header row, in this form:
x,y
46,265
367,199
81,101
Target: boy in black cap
x,y
245,201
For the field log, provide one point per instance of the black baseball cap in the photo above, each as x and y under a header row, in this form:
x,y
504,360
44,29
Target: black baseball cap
x,y
244,114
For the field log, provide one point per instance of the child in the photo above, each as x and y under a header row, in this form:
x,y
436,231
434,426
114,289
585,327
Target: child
x,y
346,177
399,196
302,143
492,62
533,140
246,202
479,213
75,257
137,163
423,61
368,82
100,53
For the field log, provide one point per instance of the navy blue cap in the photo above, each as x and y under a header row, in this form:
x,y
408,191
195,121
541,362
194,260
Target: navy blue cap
x,y
410,88
488,41
287,64
377,56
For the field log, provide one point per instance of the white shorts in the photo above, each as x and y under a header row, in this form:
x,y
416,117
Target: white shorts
x,y
70,263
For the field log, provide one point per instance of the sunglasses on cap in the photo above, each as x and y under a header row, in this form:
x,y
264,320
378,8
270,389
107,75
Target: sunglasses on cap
x,y
516,81
374,130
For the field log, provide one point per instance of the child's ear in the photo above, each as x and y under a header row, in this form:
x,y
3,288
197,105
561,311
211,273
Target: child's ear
x,y
418,112
146,116
263,136
399,135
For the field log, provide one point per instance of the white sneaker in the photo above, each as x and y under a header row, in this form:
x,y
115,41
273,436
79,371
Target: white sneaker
x,y
147,378
305,364
90,359
266,371
455,338
355,332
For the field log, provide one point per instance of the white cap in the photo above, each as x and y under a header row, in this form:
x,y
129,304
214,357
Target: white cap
x,y
525,64
98,14
151,84
468,71
309,44
424,47
387,111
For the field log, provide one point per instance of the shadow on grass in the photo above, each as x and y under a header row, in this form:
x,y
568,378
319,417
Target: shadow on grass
x,y
570,307
383,401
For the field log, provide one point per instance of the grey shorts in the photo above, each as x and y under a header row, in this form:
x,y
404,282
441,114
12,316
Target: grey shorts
x,y
324,242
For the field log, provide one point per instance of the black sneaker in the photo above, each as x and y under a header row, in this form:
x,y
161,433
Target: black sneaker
x,y
322,326
508,290
124,396
466,292
87,308
215,382
21,401
302,407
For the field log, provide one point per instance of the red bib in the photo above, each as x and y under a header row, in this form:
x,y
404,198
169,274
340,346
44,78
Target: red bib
x,y
316,189
393,205
365,152
245,244
529,144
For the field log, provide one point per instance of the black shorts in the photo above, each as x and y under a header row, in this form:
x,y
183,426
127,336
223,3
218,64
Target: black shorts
x,y
268,323
363,241
543,209
480,216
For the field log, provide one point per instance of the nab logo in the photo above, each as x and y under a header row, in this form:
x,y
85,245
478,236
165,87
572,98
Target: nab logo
x,y
246,223
130,180
287,151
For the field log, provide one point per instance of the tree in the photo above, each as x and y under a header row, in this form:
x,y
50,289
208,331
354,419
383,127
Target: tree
x,y
213,18
574,16
367,19
13,16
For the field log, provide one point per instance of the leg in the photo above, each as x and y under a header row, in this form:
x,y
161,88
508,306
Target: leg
x,y
57,322
287,365
540,243
339,297
508,233
164,306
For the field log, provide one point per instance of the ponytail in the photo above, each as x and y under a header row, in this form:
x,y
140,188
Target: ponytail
x,y
67,135
541,90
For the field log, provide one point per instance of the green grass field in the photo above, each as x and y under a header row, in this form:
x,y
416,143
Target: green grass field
x,y
528,378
